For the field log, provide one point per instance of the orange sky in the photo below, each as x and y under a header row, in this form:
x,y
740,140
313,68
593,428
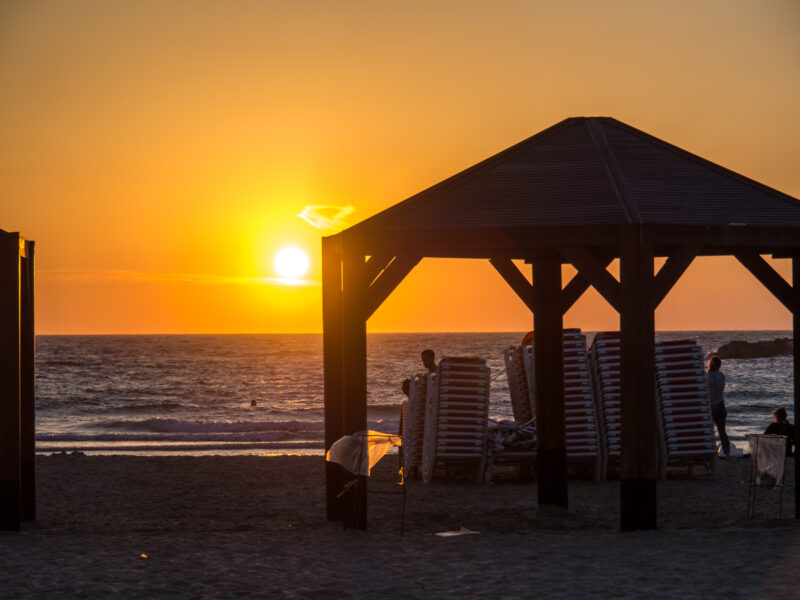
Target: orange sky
x,y
160,152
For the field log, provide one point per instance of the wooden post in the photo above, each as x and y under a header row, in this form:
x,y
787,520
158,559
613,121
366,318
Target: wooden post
x,y
549,371
28,389
10,510
637,365
333,364
354,352
796,353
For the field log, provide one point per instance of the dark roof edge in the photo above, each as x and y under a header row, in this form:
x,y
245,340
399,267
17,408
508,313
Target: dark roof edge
x,y
703,161
468,173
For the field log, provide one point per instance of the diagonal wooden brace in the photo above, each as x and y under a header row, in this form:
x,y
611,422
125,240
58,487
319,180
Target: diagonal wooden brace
x,y
670,272
593,269
387,281
768,277
514,278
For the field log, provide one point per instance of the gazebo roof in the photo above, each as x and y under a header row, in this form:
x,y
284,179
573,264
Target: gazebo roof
x,y
584,173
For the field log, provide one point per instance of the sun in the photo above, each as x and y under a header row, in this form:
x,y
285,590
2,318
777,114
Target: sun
x,y
291,262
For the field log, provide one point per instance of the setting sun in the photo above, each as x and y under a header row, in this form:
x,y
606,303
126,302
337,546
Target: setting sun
x,y
291,262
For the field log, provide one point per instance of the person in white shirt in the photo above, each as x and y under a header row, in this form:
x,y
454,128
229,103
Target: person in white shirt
x,y
716,395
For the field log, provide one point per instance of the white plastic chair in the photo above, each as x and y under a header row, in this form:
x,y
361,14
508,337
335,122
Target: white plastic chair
x,y
768,457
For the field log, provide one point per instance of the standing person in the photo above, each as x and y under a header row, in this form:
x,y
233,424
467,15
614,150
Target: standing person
x,y
716,395
781,426
429,360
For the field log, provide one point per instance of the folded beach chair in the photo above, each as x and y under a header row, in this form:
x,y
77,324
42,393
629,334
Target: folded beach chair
x,y
685,416
414,424
456,417
584,442
604,361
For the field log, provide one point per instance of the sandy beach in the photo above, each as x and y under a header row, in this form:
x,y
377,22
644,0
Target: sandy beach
x,y
226,527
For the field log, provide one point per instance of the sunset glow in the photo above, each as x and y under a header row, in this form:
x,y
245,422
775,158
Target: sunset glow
x,y
163,153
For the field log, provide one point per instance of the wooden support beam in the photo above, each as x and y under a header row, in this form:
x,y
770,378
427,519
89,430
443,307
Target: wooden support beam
x,y
27,389
591,267
796,355
10,458
514,278
768,277
637,365
387,281
548,342
333,366
670,272
577,286
376,265
354,355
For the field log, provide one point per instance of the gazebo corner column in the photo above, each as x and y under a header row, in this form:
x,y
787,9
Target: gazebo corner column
x,y
354,356
344,339
639,429
549,373
27,388
10,409
796,355
333,366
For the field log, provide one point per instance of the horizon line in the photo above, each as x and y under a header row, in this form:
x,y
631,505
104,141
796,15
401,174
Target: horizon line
x,y
386,332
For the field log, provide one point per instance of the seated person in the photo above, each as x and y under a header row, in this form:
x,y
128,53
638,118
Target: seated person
x,y
781,426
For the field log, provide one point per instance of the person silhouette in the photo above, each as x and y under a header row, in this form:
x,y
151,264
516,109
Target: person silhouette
x,y
781,426
429,360
716,396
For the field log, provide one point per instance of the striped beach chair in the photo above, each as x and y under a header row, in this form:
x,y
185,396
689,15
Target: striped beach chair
x,y
584,442
523,457
604,361
414,424
456,418
684,410
518,388
686,435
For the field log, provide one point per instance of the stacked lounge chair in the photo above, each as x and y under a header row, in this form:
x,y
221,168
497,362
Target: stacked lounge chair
x,y
584,442
686,423
414,424
521,453
456,417
517,374
686,435
604,358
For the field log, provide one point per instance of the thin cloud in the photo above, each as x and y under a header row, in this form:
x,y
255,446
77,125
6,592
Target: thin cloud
x,y
326,218
122,276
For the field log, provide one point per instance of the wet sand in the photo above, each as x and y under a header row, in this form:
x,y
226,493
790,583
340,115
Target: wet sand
x,y
254,527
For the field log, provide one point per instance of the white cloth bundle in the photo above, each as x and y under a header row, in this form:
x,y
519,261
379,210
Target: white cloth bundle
x,y
359,452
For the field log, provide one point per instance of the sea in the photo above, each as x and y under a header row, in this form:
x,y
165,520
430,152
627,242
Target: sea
x,y
263,394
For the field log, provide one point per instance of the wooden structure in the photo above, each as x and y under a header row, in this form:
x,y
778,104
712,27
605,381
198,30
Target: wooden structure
x,y
17,435
584,191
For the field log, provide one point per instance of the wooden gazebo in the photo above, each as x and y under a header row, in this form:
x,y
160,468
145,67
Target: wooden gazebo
x,y
17,445
584,191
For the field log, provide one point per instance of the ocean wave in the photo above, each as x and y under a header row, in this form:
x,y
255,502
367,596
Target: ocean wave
x,y
163,438
159,425
148,406
189,447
